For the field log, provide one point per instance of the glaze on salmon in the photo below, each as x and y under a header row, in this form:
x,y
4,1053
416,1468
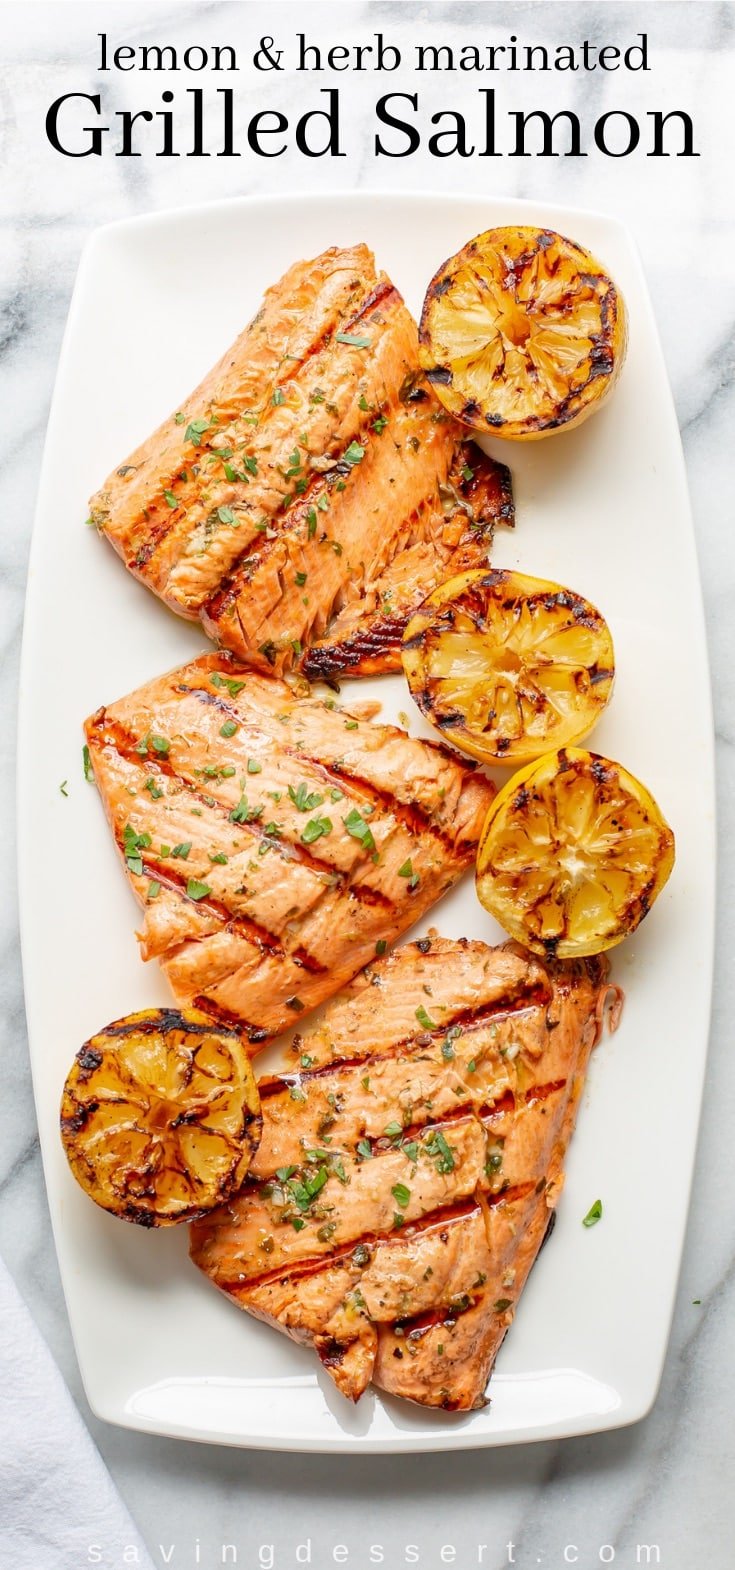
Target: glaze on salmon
x,y
312,490
275,843
410,1162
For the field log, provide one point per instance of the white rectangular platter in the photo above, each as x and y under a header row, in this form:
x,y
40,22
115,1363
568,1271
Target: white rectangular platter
x,y
603,509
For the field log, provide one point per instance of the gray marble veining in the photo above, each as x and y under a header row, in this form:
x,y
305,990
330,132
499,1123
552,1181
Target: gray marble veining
x,y
668,1480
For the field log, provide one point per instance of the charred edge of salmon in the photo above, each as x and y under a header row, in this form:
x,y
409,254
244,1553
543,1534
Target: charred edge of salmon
x,y
225,1019
125,745
441,1217
160,518
412,815
376,649
469,1019
490,489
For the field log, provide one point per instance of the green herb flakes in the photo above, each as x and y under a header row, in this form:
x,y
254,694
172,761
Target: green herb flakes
x,y
195,431
360,830
314,830
133,844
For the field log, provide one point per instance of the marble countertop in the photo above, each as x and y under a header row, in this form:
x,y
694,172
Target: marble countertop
x,y
667,1481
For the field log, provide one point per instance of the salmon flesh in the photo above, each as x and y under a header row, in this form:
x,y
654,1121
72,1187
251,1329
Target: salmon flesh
x,y
275,842
410,1162
311,491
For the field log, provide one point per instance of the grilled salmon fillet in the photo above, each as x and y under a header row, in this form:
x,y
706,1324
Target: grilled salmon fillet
x,y
410,1164
274,842
312,490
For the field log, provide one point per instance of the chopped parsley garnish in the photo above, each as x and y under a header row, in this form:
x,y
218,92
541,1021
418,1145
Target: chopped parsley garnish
x,y
87,764
170,498
440,1151
393,1130
228,729
154,889
219,858
304,1191
254,767
195,431
352,725
360,830
353,340
300,579
364,1149
304,799
233,686
353,454
449,1040
502,1305
277,397
226,515
311,522
379,424
182,850
594,1214
401,1194
153,789
398,1219
251,464
244,813
179,419
315,828
424,1018
467,472
133,844
150,743
381,947
63,787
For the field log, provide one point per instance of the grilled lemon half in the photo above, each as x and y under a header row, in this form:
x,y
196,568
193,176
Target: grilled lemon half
x,y
573,853
508,666
522,333
160,1116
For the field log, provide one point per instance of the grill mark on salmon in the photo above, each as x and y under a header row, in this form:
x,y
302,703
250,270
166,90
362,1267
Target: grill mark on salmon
x,y
413,815
289,850
213,512
471,1024
260,920
419,1303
